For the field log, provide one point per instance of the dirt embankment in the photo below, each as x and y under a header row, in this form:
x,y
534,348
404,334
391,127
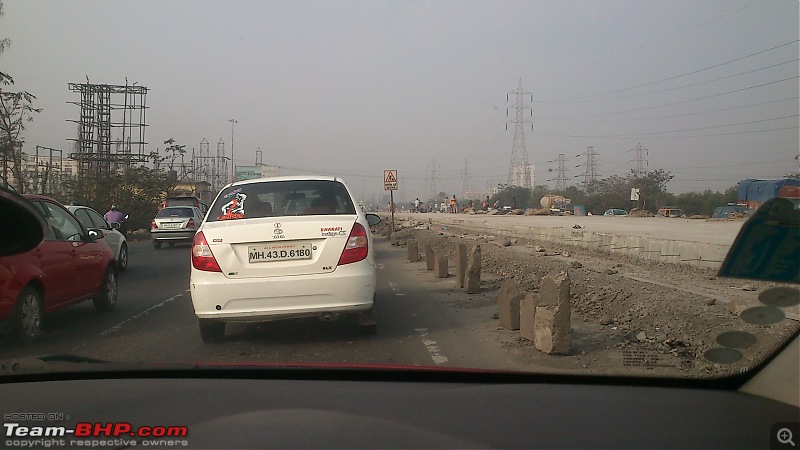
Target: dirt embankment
x,y
627,314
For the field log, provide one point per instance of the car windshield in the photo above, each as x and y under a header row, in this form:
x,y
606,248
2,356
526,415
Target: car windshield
x,y
400,183
281,198
175,211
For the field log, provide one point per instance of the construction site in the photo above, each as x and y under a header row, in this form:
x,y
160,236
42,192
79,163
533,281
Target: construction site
x,y
111,123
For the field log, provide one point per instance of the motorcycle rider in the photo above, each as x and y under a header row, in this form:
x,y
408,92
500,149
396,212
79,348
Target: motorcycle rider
x,y
115,215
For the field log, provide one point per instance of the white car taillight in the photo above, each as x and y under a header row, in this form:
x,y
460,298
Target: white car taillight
x,y
153,224
357,246
190,223
202,258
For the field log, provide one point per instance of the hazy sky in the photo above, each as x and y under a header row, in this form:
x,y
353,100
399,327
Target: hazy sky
x,y
350,88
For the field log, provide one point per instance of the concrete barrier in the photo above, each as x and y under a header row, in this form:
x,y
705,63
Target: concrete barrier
x,y
655,248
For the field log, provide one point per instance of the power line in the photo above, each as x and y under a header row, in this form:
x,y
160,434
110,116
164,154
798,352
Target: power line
x,y
684,86
672,77
672,116
691,100
637,136
690,129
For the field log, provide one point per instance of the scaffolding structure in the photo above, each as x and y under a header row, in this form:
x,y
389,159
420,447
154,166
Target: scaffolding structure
x,y
111,127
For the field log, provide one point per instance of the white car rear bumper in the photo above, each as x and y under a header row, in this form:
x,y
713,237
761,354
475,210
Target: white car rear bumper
x,y
348,289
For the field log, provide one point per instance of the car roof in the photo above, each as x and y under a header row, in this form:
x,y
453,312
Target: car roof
x,y
39,197
287,178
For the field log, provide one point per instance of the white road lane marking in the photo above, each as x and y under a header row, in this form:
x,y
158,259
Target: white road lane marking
x,y
118,326
393,287
432,347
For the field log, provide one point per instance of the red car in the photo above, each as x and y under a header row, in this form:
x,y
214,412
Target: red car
x,y
71,265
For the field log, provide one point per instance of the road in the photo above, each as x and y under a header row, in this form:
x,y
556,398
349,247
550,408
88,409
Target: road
x,y
154,323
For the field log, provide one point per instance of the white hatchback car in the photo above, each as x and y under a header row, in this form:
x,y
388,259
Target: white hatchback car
x,y
115,240
284,247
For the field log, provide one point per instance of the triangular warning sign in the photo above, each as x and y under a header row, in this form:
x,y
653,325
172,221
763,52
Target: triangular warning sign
x,y
391,177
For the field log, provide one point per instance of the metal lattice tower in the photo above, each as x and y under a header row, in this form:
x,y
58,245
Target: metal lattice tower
x,y
590,170
519,173
203,164
109,116
465,180
561,175
259,157
434,174
220,167
639,160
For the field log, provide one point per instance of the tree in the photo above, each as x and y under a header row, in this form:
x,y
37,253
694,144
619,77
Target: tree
x,y
653,188
511,195
536,196
16,108
138,191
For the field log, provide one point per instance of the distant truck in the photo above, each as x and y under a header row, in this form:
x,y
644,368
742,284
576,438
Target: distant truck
x,y
557,204
752,193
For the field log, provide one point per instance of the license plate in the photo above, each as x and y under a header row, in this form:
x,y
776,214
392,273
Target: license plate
x,y
279,252
170,225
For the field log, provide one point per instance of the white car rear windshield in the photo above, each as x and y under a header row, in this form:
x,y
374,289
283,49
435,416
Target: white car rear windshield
x,y
282,198
175,212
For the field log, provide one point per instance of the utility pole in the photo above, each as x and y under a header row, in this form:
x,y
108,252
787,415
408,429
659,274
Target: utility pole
x,y
519,173
233,163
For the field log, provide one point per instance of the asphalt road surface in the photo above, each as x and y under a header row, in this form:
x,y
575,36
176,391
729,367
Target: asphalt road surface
x,y
154,323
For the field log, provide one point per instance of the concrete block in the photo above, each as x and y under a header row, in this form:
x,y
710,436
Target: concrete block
x,y
461,264
440,268
509,297
552,327
429,257
554,289
737,305
527,316
413,250
472,281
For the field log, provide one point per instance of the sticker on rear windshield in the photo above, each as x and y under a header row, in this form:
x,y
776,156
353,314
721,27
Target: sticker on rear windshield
x,y
232,193
332,231
234,209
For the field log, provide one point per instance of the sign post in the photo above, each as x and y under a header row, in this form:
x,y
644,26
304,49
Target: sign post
x,y
390,184
634,196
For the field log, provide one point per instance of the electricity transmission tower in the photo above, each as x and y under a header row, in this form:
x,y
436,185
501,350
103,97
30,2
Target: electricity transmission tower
x,y
561,176
519,173
433,167
465,180
639,160
590,170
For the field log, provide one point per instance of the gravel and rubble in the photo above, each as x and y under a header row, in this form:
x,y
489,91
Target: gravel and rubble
x,y
629,315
